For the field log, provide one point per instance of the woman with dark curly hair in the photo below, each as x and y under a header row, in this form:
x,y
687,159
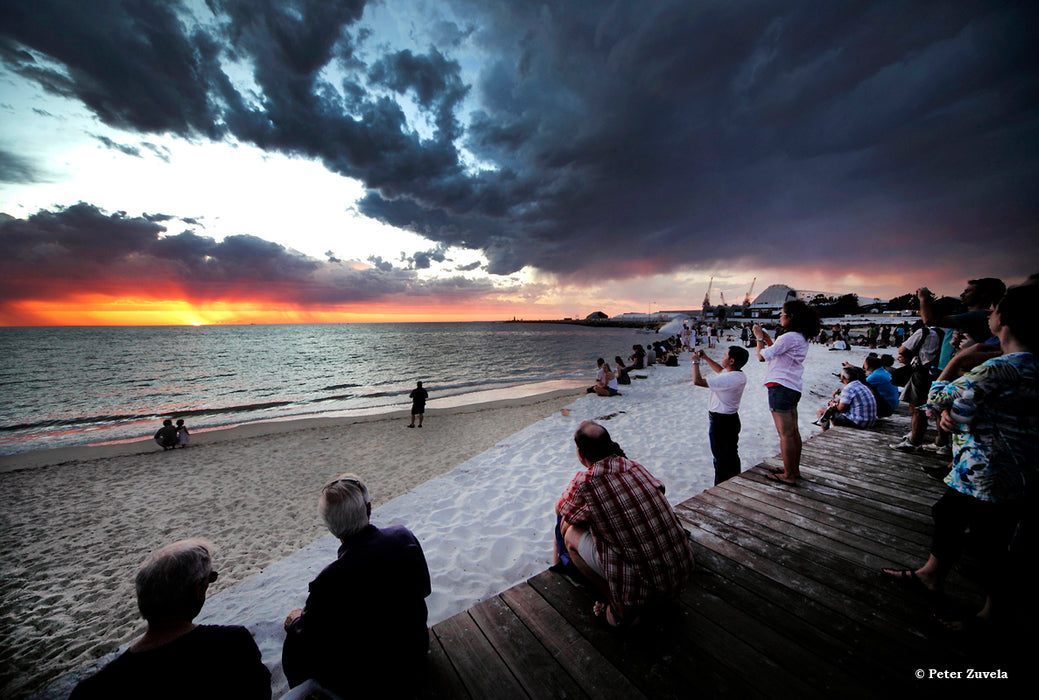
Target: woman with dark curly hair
x,y
785,357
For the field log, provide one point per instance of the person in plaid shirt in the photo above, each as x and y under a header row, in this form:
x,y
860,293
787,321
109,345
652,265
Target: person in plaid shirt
x,y
620,531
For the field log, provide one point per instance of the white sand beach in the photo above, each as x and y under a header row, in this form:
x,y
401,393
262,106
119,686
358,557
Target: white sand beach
x,y
477,493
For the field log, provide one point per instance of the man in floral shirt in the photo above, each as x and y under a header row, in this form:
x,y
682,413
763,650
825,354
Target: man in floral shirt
x,y
620,531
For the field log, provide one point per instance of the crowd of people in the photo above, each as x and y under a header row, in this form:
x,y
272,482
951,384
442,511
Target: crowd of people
x,y
615,528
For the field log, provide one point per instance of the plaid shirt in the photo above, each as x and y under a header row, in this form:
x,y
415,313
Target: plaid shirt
x,y
862,406
643,549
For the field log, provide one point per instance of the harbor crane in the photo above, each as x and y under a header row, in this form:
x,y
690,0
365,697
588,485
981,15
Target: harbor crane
x,y
746,299
722,293
707,296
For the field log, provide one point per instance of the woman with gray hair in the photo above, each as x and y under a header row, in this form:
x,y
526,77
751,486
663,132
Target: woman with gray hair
x,y
174,653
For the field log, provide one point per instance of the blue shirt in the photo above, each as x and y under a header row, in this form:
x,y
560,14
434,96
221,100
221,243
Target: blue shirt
x,y
880,378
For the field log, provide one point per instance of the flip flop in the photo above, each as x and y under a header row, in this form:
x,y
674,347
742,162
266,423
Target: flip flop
x,y
908,579
775,477
775,470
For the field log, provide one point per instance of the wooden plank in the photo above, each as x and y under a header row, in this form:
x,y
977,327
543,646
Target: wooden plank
x,y
659,657
813,501
784,569
481,670
592,671
776,644
533,666
811,556
442,680
716,564
817,489
859,542
880,528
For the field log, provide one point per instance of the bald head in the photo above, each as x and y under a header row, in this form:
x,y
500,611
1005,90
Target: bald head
x,y
594,443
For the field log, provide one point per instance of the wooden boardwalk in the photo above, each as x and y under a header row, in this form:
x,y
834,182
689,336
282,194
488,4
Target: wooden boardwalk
x,y
787,599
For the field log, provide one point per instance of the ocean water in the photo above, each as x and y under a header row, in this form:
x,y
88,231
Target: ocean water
x,y
62,387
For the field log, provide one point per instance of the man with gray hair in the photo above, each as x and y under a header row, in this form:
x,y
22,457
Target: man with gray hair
x,y
174,653
363,629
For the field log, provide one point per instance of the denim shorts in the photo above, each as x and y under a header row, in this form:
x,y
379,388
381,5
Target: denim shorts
x,y
782,399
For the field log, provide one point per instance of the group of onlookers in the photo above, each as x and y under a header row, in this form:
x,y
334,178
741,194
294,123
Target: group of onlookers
x,y
614,525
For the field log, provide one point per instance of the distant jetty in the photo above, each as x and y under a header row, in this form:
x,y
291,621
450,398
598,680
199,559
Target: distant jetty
x,y
599,323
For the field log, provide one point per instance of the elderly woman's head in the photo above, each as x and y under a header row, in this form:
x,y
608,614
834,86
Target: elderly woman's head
x,y
171,584
345,506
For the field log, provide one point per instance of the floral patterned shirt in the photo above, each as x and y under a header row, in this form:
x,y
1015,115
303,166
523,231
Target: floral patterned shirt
x,y
996,457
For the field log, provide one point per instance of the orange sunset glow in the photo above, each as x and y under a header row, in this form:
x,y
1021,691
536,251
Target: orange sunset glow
x,y
135,311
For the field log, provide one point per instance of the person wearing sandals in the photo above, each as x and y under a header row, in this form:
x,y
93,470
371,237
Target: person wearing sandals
x,y
992,413
785,357
620,531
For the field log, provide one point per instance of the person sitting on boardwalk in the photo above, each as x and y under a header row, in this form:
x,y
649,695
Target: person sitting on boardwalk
x,y
175,655
995,458
880,379
855,407
166,436
363,629
620,531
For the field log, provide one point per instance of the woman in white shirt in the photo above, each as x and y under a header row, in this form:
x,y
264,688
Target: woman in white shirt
x,y
785,357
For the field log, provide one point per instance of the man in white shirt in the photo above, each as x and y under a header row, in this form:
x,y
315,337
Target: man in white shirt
x,y
723,408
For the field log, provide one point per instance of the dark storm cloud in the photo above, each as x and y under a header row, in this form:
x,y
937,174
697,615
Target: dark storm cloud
x,y
121,147
81,250
16,169
612,139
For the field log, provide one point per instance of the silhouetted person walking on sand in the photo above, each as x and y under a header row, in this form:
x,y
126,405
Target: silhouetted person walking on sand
x,y
418,398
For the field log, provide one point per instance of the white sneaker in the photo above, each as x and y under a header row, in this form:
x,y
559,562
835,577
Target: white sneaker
x,y
907,446
943,451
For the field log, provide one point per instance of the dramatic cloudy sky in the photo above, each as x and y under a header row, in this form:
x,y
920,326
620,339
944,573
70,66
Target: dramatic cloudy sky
x,y
281,160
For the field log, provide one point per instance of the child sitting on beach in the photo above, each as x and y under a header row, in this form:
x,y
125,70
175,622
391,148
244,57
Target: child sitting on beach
x,y
182,434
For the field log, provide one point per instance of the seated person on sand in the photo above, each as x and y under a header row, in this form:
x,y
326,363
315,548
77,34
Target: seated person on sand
x,y
177,658
620,531
166,437
363,630
605,380
856,407
183,436
622,371
637,357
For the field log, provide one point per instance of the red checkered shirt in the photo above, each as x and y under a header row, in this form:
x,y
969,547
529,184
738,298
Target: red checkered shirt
x,y
643,549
